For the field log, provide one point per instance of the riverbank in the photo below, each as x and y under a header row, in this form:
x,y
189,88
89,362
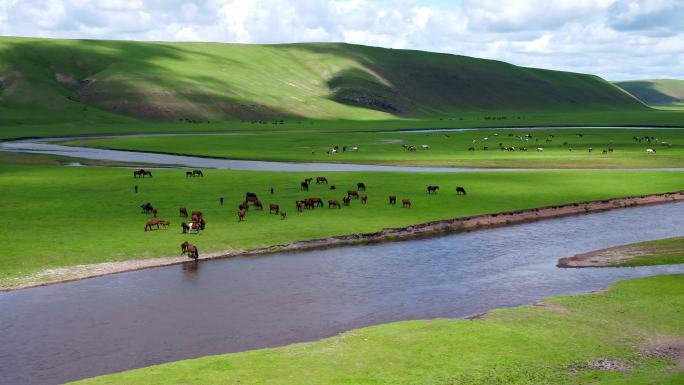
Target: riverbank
x,y
428,229
632,332
660,252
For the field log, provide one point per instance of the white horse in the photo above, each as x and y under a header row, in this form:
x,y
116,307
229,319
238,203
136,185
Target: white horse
x,y
540,149
650,151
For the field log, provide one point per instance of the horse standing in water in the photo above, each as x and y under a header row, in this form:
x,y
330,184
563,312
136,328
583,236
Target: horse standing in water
x,y
190,249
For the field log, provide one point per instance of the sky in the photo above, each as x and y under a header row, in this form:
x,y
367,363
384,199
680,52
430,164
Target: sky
x,y
615,39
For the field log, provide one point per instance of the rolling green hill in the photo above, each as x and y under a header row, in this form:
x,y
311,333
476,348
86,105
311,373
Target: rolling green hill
x,y
49,81
660,92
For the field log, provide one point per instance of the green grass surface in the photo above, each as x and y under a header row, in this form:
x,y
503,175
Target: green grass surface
x,y
446,149
63,216
526,345
661,252
658,92
53,80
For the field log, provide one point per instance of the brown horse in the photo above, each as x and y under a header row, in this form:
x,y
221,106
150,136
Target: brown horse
x,y
406,203
283,215
308,180
258,205
183,212
196,215
308,204
243,206
317,202
165,224
150,223
432,189
300,205
241,215
251,197
393,199
273,208
154,212
321,179
190,250
346,200
353,194
364,199
361,186
334,203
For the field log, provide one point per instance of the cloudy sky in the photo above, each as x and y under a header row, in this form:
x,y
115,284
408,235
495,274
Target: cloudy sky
x,y
617,39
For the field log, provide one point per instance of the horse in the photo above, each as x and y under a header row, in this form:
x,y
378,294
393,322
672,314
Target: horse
x,y
304,186
258,205
317,202
241,215
146,208
346,200
183,212
299,205
283,215
251,197
364,199
393,199
148,173
411,148
154,212
308,180
273,207
406,203
189,174
138,173
334,203
353,194
332,187
150,223
243,206
432,189
321,179
192,226
460,190
195,216
165,224
201,222
190,249
308,204
650,151
361,186
197,173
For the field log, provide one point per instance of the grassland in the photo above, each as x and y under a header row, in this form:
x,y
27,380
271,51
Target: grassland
x,y
65,216
660,252
662,93
553,342
446,148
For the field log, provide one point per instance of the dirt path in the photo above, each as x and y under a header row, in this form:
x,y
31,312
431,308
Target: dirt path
x,y
72,273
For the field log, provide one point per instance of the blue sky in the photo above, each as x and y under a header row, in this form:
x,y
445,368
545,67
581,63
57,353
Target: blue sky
x,y
616,39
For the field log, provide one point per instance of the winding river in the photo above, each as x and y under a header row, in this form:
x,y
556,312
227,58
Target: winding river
x,y
57,333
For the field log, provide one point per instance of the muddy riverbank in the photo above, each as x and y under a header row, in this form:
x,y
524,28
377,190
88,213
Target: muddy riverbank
x,y
429,229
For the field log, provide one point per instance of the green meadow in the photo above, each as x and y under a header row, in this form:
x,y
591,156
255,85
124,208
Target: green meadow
x,y
562,148
64,216
660,252
555,342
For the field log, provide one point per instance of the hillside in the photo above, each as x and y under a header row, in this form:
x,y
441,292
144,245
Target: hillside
x,y
47,80
659,92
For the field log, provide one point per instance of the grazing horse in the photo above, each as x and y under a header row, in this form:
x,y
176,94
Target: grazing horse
x,y
241,215
196,215
346,200
432,189
460,190
353,194
165,224
364,199
650,151
150,223
190,249
361,186
321,179
273,208
146,208
258,205
334,203
317,202
188,174
308,204
141,173
183,212
304,186
197,173
406,203
393,199
251,197
299,205
283,215
192,226
308,180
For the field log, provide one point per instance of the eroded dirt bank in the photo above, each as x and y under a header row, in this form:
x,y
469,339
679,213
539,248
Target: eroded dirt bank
x,y
428,229
624,254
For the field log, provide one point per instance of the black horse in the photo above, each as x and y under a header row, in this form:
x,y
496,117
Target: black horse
x,y
304,186
460,190
432,189
361,186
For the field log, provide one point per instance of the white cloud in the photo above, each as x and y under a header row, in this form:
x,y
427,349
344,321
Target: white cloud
x,y
612,38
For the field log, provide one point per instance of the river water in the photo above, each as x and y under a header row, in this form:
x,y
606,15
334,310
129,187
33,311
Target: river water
x,y
57,333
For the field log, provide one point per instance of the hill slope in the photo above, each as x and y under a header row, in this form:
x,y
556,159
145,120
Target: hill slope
x,y
65,80
660,92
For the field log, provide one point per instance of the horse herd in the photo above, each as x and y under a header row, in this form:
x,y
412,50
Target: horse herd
x,y
197,222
